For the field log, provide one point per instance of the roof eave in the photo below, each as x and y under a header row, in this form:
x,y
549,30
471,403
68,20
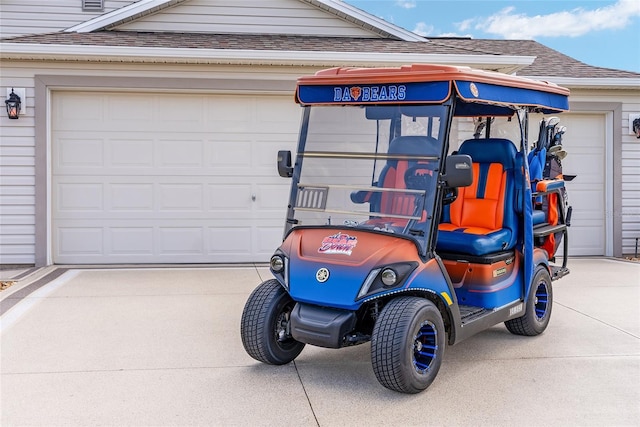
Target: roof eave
x,y
23,51
592,82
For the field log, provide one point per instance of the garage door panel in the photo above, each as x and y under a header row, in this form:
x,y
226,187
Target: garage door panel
x,y
229,197
130,153
179,152
132,240
584,141
180,240
84,111
180,197
132,197
79,241
186,113
152,187
75,197
230,241
584,240
79,153
229,152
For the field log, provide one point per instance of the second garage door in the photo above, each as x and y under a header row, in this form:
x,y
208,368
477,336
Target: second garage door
x,y
168,178
584,142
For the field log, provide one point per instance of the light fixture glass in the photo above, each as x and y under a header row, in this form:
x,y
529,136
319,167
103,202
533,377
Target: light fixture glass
x,y
13,105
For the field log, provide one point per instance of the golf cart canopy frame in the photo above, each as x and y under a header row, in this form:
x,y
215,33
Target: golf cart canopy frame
x,y
476,90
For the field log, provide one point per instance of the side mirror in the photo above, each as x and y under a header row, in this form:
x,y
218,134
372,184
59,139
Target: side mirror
x,y
284,164
459,171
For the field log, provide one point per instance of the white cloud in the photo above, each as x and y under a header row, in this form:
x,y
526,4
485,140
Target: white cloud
x,y
573,23
464,25
406,4
456,35
423,29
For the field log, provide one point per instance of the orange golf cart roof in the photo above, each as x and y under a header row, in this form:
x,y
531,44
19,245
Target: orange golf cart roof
x,y
428,84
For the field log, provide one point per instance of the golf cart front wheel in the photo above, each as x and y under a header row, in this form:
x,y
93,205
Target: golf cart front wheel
x,y
265,325
407,344
538,309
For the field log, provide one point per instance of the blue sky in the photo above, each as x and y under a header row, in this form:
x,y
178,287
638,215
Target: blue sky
x,y
602,33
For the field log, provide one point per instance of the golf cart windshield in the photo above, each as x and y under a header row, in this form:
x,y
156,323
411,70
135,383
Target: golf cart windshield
x,y
372,167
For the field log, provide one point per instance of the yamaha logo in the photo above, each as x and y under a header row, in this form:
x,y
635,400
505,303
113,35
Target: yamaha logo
x,y
322,275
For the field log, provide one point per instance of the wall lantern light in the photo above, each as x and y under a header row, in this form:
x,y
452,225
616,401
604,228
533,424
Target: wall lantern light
x,y
634,124
13,104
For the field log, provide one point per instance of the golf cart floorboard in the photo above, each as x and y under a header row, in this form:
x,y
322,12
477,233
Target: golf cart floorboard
x,y
469,313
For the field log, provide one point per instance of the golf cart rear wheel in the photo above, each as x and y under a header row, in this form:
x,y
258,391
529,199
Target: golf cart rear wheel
x,y
407,344
265,325
538,310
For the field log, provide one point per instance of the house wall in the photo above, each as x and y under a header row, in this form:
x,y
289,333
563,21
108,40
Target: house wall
x,y
247,17
21,17
24,150
625,189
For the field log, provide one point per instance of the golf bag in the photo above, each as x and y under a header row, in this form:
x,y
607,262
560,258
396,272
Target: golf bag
x,y
545,163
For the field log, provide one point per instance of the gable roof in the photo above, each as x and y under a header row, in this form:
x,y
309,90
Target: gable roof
x,y
548,62
344,11
263,49
524,57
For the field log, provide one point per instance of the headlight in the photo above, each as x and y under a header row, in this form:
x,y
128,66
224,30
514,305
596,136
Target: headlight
x,y
382,279
389,277
277,264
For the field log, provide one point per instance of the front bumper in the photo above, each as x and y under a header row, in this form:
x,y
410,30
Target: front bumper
x,y
321,326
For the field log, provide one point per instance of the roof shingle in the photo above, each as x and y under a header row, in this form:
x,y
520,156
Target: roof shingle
x,y
548,62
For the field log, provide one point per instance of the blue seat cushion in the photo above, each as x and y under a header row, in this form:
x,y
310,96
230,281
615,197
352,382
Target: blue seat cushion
x,y
473,244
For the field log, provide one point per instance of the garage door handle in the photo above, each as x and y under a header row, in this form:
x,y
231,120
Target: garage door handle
x,y
253,197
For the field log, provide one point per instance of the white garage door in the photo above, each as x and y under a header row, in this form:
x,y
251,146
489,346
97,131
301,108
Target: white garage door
x,y
168,178
585,144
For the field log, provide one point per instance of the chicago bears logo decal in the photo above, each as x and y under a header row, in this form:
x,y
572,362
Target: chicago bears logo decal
x,y
356,91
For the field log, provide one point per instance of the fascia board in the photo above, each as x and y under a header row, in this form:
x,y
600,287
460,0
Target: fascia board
x,y
592,83
368,19
119,15
506,64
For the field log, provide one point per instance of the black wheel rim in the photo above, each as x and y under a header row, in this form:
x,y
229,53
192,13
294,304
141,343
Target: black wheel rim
x,y
425,347
541,302
282,332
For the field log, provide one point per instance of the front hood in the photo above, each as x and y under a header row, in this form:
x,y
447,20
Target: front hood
x,y
347,254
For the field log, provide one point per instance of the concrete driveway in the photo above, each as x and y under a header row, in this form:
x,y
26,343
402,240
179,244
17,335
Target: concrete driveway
x,y
161,346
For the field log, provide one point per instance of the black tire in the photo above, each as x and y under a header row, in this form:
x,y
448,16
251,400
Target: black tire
x,y
407,344
538,307
264,325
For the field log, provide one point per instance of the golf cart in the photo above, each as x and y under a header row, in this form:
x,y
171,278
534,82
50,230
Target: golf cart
x,y
398,234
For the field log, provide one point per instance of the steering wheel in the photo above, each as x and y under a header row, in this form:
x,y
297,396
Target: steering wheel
x,y
418,177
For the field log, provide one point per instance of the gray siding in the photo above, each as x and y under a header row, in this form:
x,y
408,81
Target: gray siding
x,y
630,181
247,16
17,179
20,17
